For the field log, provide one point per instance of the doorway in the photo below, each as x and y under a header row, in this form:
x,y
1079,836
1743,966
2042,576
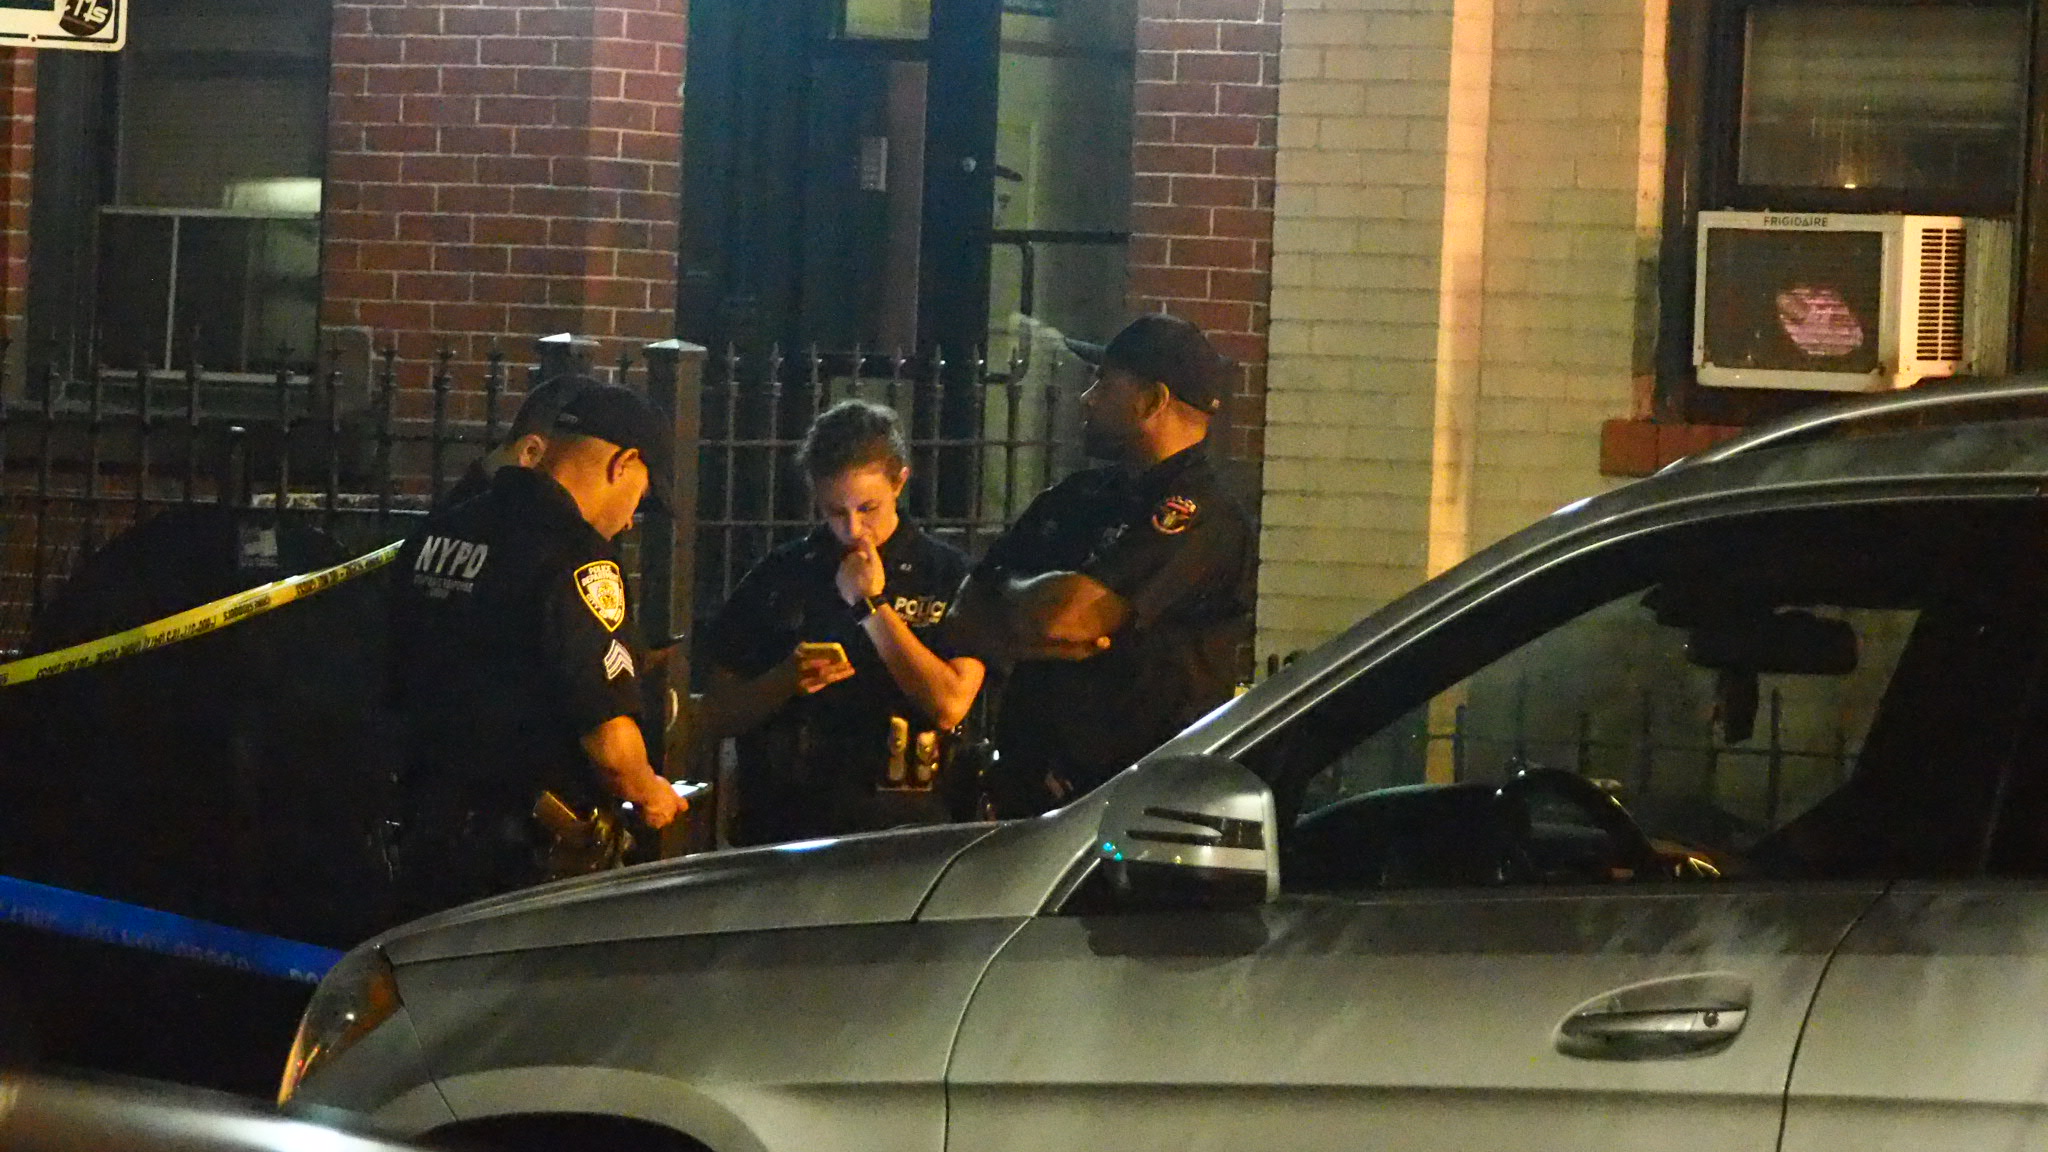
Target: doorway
x,y
905,174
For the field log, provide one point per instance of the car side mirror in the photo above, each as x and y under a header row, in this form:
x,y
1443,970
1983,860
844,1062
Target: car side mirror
x,y
1185,832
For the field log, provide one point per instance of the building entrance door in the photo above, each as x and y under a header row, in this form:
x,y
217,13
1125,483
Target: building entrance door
x,y
904,174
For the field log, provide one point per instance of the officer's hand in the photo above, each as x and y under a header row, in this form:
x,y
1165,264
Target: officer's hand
x,y
814,672
860,572
660,806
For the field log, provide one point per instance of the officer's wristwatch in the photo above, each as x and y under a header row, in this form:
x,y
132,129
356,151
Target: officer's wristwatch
x,y
865,607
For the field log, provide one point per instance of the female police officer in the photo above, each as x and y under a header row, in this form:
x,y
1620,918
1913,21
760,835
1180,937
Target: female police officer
x,y
826,662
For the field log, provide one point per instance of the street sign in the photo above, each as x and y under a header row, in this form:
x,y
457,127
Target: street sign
x,y
98,25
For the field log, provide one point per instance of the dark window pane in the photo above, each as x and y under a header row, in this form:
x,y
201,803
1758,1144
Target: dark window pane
x,y
134,282
1867,97
1063,168
246,289
197,137
284,295
213,274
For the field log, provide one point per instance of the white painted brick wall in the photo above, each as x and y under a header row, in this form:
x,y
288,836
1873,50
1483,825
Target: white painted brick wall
x,y
1571,134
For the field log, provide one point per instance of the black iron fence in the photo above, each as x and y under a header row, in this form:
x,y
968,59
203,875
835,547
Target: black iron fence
x,y
354,448
339,448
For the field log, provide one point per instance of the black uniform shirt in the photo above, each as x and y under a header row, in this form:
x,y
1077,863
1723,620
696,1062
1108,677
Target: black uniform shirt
x,y
824,754
1178,550
472,484
511,641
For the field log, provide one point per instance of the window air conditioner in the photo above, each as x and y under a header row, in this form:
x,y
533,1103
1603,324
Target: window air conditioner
x,y
1850,303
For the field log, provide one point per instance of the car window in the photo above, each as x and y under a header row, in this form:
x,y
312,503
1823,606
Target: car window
x,y
1821,693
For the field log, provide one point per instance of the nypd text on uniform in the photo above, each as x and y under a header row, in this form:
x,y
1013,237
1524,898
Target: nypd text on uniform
x,y
446,556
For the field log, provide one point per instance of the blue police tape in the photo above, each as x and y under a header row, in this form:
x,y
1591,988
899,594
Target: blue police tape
x,y
70,913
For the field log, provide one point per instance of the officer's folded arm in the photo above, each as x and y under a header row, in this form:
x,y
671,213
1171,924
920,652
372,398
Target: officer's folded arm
x,y
977,622
620,753
1050,616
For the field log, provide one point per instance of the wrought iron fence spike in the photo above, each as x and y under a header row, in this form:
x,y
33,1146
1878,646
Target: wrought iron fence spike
x,y
96,395
494,387
437,449
333,442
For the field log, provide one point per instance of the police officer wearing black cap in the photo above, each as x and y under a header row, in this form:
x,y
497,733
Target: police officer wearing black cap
x,y
512,664
1123,595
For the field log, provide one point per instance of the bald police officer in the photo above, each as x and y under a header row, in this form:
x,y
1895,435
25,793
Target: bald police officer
x,y
1123,595
512,664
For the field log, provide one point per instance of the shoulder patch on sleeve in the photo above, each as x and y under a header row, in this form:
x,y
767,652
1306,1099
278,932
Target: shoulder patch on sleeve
x,y
603,589
1174,514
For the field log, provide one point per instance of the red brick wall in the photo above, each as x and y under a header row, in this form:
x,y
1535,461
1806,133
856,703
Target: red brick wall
x,y
1206,129
18,114
17,529
501,170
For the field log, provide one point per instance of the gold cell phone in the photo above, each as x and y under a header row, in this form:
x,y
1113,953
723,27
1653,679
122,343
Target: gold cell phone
x,y
813,649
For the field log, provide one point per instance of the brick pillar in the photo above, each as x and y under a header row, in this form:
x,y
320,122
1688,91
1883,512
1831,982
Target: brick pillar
x,y
501,170
18,114
1202,217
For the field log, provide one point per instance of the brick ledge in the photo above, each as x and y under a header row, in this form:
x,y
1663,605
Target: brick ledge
x,y
1640,447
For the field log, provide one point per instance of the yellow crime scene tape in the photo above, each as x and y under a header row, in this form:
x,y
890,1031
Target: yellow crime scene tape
x,y
193,621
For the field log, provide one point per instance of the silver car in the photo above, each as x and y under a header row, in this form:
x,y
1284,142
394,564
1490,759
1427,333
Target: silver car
x,y
1708,814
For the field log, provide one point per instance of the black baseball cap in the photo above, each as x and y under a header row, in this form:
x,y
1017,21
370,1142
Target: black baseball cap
x,y
540,407
619,415
1159,346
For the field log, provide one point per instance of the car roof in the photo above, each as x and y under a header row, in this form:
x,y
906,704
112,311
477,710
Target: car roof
x,y
1949,402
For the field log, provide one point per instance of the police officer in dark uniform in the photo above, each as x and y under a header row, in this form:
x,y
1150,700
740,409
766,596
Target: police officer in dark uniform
x,y
1123,596
511,665
525,442
831,744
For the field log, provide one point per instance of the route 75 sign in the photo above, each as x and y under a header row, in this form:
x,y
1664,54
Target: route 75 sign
x,y
100,25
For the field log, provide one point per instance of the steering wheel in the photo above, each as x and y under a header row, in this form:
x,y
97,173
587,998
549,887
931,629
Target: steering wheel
x,y
1633,856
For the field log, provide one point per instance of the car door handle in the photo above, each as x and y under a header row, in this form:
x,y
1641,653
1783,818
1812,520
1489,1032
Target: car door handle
x,y
1650,1035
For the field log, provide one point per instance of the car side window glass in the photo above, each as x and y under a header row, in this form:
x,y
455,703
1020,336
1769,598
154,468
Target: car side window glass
x,y
1777,696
